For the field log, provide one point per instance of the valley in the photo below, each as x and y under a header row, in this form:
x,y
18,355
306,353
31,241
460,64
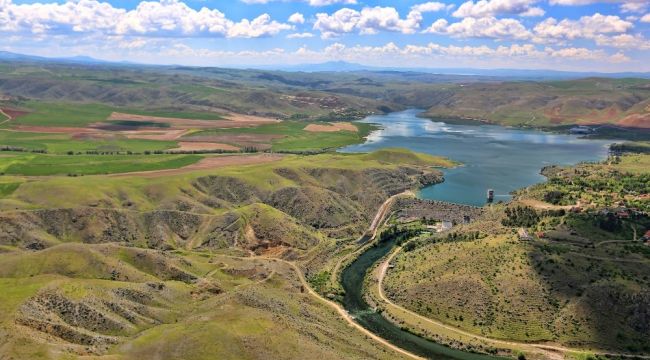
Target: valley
x,y
179,212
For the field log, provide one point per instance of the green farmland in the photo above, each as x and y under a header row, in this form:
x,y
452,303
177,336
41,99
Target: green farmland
x,y
43,165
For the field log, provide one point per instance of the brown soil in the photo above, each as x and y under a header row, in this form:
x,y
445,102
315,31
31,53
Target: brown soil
x,y
251,119
332,127
54,130
636,120
155,135
212,162
259,141
13,113
192,146
233,121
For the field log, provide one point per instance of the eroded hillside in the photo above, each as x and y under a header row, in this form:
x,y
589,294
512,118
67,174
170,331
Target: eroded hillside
x,y
193,263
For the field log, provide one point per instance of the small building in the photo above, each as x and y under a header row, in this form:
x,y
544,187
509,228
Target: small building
x,y
524,235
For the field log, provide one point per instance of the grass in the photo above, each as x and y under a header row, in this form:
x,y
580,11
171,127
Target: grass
x,y
63,114
44,165
62,143
293,137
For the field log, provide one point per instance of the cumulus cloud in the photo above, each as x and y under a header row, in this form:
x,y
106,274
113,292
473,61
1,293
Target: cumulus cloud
x,y
431,6
303,35
486,27
369,20
627,6
623,41
149,18
491,8
297,18
645,18
587,27
310,2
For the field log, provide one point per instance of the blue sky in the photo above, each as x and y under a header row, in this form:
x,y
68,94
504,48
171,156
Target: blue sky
x,y
589,35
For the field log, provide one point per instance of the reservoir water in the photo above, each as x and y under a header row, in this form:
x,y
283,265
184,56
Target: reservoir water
x,y
493,157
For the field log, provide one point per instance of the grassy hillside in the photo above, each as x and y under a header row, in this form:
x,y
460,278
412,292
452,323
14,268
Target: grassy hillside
x,y
43,165
163,306
581,280
622,102
169,266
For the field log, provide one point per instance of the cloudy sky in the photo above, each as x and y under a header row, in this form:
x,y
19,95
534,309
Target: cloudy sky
x,y
589,35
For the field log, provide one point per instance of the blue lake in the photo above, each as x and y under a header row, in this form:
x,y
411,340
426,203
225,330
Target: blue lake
x,y
493,157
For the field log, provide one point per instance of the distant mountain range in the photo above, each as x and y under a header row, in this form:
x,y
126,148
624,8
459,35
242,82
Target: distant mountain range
x,y
342,66
515,73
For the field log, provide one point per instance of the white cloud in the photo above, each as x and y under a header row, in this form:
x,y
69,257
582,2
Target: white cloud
x,y
310,2
369,20
297,18
487,27
150,18
635,7
490,8
431,6
645,18
300,35
623,41
627,6
587,27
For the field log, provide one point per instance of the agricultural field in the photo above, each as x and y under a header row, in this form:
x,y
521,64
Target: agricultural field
x,y
287,136
576,278
73,165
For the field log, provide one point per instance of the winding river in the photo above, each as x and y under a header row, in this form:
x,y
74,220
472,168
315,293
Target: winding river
x,y
494,157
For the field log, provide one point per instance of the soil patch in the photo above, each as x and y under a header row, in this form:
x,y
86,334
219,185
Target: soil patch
x,y
333,127
233,121
13,113
212,162
54,130
636,121
258,141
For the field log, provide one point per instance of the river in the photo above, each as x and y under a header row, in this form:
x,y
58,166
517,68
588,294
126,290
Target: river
x,y
496,157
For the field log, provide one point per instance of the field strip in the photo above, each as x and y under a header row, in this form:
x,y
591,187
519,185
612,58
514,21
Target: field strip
x,y
383,269
207,163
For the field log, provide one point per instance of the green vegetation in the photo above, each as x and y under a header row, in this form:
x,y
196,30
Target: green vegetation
x,y
289,136
62,143
139,261
43,165
574,280
62,114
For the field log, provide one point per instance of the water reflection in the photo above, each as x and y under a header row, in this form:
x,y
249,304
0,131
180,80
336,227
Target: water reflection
x,y
496,157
